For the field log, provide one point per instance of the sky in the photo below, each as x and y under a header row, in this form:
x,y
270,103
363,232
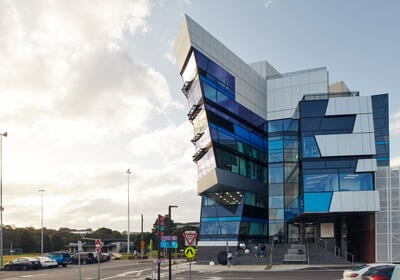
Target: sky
x,y
89,89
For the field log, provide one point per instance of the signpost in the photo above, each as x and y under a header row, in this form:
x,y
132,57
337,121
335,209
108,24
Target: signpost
x,y
190,240
98,251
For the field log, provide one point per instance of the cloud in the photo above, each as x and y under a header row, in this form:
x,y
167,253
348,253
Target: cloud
x,y
80,111
267,3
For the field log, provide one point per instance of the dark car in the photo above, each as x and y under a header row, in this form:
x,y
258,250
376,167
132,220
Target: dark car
x,y
383,272
62,258
23,264
84,257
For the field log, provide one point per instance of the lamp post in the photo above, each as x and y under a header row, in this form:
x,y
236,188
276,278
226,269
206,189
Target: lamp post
x,y
3,134
41,219
128,241
170,233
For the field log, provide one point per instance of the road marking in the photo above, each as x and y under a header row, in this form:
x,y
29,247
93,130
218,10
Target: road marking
x,y
137,272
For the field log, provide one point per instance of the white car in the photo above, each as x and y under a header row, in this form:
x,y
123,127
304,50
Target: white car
x,y
356,272
46,262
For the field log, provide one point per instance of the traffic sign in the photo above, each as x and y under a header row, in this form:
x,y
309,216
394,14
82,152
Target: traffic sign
x,y
190,252
190,237
98,245
165,244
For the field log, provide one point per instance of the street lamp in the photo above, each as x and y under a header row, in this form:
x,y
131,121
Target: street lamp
x,y
128,242
170,233
3,134
41,219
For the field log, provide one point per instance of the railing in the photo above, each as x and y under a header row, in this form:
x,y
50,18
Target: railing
x,y
352,257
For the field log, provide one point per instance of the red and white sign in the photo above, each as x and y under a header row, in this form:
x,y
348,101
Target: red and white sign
x,y
190,237
98,245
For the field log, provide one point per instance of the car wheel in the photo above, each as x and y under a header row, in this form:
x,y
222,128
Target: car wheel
x,y
7,268
64,265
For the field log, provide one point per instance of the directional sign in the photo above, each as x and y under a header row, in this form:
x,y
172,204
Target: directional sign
x,y
190,237
190,252
168,244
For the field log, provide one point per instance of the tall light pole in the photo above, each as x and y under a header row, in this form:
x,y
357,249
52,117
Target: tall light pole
x,y
3,134
170,233
128,242
41,219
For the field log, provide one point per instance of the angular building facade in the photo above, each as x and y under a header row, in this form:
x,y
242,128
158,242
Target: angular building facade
x,y
284,155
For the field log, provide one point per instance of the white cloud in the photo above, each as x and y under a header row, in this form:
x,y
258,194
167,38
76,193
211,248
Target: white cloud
x,y
74,102
267,3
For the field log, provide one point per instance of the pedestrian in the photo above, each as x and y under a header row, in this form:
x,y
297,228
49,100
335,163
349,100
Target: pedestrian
x,y
229,258
255,250
276,240
262,250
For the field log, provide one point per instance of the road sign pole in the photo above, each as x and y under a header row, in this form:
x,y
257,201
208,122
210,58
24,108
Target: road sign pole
x,y
98,265
190,270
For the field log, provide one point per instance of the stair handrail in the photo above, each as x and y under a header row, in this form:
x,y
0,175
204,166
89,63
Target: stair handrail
x,y
352,256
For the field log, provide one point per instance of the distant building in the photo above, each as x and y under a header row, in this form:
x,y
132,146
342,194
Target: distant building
x,y
286,154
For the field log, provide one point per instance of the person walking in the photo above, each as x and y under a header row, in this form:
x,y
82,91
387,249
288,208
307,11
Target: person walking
x,y
262,250
229,258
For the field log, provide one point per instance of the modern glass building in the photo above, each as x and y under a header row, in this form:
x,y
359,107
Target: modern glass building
x,y
285,155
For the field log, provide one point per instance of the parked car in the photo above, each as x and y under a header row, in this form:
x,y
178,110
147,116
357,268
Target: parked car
x,y
396,273
47,262
355,273
383,272
84,257
22,264
62,258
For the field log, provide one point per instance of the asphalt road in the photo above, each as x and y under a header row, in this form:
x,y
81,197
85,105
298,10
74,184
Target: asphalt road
x,y
134,270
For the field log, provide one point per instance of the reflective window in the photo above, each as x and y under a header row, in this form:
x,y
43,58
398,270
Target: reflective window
x,y
275,173
274,126
313,108
321,182
309,148
276,214
355,181
276,201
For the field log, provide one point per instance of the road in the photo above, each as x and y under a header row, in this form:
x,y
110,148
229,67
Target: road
x,y
136,270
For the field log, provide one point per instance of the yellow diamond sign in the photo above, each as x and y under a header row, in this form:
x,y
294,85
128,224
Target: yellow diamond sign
x,y
190,252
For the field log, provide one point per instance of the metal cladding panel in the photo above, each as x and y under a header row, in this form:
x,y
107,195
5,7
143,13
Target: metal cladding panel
x,y
366,165
285,91
349,105
250,85
221,180
355,201
363,123
182,45
338,145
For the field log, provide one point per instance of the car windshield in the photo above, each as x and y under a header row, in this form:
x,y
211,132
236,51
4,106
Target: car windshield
x,y
359,267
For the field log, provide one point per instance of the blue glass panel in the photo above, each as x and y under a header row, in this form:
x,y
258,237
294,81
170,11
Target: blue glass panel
x,y
201,60
317,202
241,132
275,143
276,202
275,173
290,125
275,156
313,108
355,181
310,124
321,182
309,148
345,123
274,126
209,92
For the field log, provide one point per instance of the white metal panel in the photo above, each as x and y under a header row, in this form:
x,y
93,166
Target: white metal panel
x,y
349,105
362,123
355,201
355,141
366,165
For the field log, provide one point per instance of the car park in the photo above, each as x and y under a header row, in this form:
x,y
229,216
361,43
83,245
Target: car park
x,y
22,264
383,272
355,273
47,262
